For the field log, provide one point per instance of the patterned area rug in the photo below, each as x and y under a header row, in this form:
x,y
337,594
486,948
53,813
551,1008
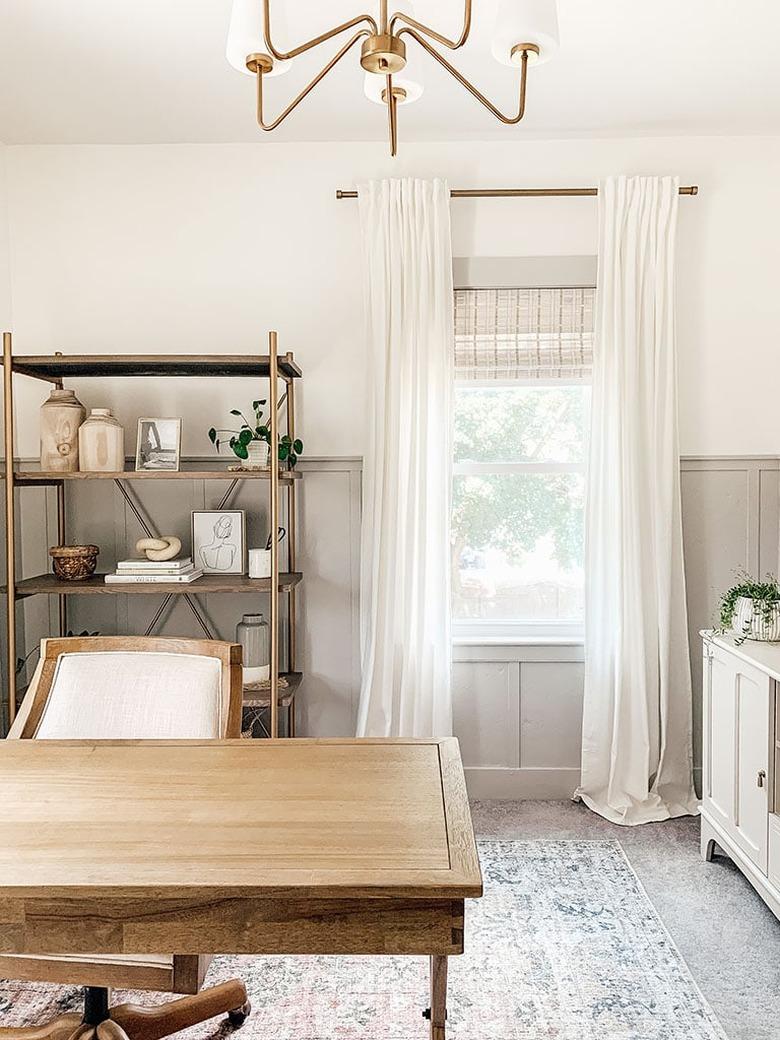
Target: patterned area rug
x,y
565,945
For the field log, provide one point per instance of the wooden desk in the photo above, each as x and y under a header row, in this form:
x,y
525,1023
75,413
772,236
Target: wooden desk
x,y
267,847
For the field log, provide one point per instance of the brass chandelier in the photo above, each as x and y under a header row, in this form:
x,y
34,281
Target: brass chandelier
x,y
526,33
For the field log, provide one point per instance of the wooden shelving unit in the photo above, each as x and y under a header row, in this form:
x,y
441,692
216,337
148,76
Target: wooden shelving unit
x,y
33,477
49,585
58,368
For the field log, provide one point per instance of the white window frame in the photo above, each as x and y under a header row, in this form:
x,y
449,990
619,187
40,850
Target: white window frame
x,y
478,632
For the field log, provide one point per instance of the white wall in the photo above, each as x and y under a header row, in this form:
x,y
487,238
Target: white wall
x,y
5,323
5,283
204,248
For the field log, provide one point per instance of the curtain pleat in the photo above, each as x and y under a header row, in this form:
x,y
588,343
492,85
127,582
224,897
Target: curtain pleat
x,y
637,725
405,579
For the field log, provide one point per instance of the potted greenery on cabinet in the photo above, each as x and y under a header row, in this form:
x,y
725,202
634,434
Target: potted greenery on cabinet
x,y
751,609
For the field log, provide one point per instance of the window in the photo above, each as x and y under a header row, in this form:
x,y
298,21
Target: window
x,y
522,396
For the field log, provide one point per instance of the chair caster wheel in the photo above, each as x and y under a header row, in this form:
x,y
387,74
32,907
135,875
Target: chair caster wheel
x,y
239,1015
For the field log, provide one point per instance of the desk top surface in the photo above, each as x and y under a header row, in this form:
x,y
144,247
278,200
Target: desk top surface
x,y
167,819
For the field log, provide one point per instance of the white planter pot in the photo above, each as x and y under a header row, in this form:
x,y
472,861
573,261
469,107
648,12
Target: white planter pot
x,y
752,624
258,455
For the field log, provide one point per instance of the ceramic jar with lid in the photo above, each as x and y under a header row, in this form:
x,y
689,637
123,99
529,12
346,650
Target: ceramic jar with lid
x,y
101,443
61,416
252,634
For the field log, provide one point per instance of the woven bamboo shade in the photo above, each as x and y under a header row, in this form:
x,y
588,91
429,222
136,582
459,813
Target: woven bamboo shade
x,y
523,333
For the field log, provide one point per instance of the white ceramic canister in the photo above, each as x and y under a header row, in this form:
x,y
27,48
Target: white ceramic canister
x,y
257,452
751,622
61,416
101,443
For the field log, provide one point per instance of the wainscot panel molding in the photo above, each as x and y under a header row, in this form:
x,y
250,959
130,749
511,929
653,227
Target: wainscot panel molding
x,y
517,708
730,523
328,554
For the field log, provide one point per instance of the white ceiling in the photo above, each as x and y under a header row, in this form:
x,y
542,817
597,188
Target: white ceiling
x,y
135,71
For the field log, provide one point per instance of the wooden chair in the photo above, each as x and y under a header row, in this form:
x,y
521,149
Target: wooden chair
x,y
135,688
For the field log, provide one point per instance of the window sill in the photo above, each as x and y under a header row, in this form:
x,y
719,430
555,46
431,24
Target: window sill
x,y
518,640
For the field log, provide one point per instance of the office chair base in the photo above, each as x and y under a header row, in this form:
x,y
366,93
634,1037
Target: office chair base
x,y
134,1022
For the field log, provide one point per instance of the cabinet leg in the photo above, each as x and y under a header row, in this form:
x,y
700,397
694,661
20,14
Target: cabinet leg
x,y
709,842
438,1008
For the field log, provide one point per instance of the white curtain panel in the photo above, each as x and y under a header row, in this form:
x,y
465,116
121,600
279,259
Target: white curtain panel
x,y
405,580
637,726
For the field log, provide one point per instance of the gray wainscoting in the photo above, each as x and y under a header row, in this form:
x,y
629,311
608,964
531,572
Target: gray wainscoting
x,y
730,523
518,708
328,555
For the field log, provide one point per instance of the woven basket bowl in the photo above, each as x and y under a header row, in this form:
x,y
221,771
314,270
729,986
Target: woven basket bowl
x,y
74,562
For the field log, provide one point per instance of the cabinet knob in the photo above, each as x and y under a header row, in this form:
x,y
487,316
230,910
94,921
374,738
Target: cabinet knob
x,y
761,777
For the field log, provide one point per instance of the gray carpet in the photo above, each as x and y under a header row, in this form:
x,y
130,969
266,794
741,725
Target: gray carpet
x,y
726,934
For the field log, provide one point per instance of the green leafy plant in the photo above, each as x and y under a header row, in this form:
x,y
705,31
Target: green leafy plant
x,y
258,430
764,594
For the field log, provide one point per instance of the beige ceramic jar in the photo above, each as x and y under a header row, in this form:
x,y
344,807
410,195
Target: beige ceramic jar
x,y
61,416
101,443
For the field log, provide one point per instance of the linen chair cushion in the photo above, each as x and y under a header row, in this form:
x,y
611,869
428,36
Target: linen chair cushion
x,y
119,695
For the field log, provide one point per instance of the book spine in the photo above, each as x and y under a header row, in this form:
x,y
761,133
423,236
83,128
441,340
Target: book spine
x,y
154,568
130,572
151,579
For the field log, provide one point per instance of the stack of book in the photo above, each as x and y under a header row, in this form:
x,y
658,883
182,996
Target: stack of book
x,y
167,572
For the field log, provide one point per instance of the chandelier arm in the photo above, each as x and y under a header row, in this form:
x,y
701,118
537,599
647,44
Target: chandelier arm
x,y
307,89
509,120
317,40
452,45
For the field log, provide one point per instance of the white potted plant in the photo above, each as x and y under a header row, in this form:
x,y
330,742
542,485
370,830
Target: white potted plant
x,y
751,609
251,442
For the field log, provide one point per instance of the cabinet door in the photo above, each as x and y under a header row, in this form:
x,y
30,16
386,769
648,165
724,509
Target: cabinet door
x,y
719,743
751,803
736,750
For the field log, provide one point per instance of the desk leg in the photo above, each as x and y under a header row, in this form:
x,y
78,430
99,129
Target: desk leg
x,y
438,998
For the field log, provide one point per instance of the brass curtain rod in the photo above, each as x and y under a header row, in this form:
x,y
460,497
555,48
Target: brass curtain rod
x,y
519,193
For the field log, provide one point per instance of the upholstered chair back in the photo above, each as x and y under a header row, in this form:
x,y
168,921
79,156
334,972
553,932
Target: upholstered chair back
x,y
97,689
133,696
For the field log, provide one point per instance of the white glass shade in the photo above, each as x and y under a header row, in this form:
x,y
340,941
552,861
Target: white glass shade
x,y
374,85
246,34
526,21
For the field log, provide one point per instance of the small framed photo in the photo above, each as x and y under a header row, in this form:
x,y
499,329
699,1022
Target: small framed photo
x,y
158,445
219,540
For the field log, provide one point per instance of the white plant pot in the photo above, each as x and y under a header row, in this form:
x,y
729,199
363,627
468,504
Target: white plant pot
x,y
258,455
750,624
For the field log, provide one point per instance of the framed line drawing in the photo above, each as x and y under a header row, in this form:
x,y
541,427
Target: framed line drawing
x,y
219,540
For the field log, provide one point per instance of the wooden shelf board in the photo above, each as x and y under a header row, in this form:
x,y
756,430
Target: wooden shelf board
x,y
62,366
48,584
33,477
262,698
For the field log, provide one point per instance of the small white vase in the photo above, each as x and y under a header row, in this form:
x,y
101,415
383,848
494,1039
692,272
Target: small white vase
x,y
750,623
257,455
101,443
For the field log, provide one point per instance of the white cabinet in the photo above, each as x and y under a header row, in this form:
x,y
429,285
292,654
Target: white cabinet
x,y
740,734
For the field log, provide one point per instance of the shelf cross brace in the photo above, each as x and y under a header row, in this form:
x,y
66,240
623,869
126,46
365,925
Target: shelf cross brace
x,y
151,533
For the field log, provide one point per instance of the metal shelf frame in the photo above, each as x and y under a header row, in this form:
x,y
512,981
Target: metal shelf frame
x,y
57,367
